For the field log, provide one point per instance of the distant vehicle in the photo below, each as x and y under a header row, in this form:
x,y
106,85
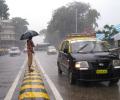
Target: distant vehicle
x,y
87,59
51,50
41,46
14,51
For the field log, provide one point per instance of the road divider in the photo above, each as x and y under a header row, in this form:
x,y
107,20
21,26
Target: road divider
x,y
33,87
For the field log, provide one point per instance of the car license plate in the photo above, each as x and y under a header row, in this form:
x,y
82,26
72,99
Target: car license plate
x,y
101,71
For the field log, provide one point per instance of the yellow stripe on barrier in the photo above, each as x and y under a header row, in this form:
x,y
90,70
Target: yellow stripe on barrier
x,y
34,71
31,73
32,81
32,86
32,77
30,95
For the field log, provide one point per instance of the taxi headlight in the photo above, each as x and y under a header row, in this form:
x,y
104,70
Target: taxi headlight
x,y
116,63
81,64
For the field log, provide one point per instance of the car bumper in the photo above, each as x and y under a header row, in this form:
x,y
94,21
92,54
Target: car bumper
x,y
51,52
91,75
13,54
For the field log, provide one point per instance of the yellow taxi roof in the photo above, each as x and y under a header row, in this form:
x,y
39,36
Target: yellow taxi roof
x,y
82,37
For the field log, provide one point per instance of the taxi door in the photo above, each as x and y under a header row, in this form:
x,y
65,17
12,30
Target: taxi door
x,y
64,53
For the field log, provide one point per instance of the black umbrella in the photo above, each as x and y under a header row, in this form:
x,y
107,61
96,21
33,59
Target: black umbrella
x,y
28,34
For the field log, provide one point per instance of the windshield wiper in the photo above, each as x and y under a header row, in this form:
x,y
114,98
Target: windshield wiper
x,y
83,52
98,51
82,47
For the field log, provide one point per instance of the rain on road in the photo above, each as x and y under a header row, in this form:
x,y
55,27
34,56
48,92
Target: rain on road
x,y
9,67
92,91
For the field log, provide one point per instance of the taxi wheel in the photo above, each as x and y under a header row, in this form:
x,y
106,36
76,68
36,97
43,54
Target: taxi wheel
x,y
59,70
72,79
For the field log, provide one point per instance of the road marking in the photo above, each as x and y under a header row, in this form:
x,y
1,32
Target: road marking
x,y
12,88
33,90
31,74
35,95
37,83
32,81
31,77
32,87
51,84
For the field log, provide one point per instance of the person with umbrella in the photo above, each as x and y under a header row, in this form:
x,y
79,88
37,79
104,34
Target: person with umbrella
x,y
28,35
30,52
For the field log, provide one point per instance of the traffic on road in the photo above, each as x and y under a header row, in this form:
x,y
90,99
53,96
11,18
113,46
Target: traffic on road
x,y
75,55
66,91
81,90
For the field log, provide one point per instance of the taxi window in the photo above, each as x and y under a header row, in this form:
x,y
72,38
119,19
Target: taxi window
x,y
65,45
89,46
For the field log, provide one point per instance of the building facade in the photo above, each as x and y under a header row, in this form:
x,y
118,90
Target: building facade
x,y
7,34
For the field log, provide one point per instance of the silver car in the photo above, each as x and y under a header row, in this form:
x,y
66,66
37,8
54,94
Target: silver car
x,y
14,51
51,50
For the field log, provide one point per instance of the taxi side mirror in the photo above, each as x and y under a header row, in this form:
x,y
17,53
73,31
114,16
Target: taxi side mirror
x,y
65,50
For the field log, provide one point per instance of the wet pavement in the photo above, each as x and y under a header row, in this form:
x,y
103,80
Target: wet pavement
x,y
80,91
9,68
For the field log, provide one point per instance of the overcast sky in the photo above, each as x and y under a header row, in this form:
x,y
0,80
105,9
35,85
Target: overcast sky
x,y
39,12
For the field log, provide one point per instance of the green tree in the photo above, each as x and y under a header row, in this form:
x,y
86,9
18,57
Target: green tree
x,y
109,31
63,21
20,25
3,10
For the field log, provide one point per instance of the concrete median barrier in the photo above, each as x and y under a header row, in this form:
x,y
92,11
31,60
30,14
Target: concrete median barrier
x,y
33,87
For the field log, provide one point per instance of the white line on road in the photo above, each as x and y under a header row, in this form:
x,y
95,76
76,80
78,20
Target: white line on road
x,y
12,88
51,84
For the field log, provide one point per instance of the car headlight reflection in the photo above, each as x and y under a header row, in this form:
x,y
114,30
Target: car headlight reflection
x,y
116,63
82,65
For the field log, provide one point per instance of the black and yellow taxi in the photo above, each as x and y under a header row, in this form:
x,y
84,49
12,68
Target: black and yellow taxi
x,y
84,58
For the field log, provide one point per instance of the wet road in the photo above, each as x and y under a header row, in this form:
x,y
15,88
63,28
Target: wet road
x,y
9,68
92,91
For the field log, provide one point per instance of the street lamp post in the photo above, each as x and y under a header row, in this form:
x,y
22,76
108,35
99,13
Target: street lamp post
x,y
76,21
0,33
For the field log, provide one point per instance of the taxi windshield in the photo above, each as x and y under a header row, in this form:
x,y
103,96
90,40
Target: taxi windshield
x,y
89,46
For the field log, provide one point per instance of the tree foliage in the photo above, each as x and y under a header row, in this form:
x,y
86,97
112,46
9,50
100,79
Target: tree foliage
x,y
109,31
20,25
3,10
63,20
